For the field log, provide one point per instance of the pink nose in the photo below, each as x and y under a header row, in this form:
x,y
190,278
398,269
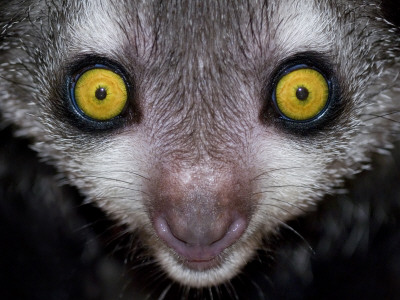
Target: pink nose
x,y
200,239
201,216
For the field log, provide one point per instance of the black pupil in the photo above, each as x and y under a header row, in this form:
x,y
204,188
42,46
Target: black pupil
x,y
101,93
302,93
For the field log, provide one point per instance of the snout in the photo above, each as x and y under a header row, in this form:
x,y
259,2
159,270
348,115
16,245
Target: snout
x,y
199,241
200,218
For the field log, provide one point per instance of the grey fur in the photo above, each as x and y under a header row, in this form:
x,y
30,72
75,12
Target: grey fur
x,y
201,71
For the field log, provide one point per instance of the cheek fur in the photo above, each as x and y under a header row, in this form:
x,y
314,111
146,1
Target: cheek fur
x,y
114,177
197,174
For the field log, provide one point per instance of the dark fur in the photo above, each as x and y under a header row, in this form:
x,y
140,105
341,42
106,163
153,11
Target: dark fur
x,y
52,246
349,248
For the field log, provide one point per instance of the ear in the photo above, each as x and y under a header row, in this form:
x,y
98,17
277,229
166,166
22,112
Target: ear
x,y
391,11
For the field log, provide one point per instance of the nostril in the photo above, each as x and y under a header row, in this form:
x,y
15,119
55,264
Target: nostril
x,y
200,241
165,233
168,234
233,233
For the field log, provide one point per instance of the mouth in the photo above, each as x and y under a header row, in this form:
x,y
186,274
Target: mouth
x,y
203,270
202,264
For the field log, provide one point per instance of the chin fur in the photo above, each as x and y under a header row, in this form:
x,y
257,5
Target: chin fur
x,y
207,188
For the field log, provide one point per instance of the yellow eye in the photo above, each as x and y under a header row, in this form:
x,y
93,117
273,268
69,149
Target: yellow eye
x,y
302,94
101,94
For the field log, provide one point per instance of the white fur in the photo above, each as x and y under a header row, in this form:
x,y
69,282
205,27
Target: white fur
x,y
291,173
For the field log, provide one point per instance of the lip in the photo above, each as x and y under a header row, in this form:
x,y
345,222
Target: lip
x,y
202,264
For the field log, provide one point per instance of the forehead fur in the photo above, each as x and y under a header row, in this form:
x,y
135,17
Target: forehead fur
x,y
199,65
200,71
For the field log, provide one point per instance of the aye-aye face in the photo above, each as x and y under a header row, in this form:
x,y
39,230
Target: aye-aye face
x,y
202,125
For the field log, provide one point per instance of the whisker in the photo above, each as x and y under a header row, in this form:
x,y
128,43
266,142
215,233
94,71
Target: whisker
x,y
288,185
211,293
295,232
384,116
165,291
143,264
258,288
282,201
278,207
129,173
231,290
108,178
268,172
